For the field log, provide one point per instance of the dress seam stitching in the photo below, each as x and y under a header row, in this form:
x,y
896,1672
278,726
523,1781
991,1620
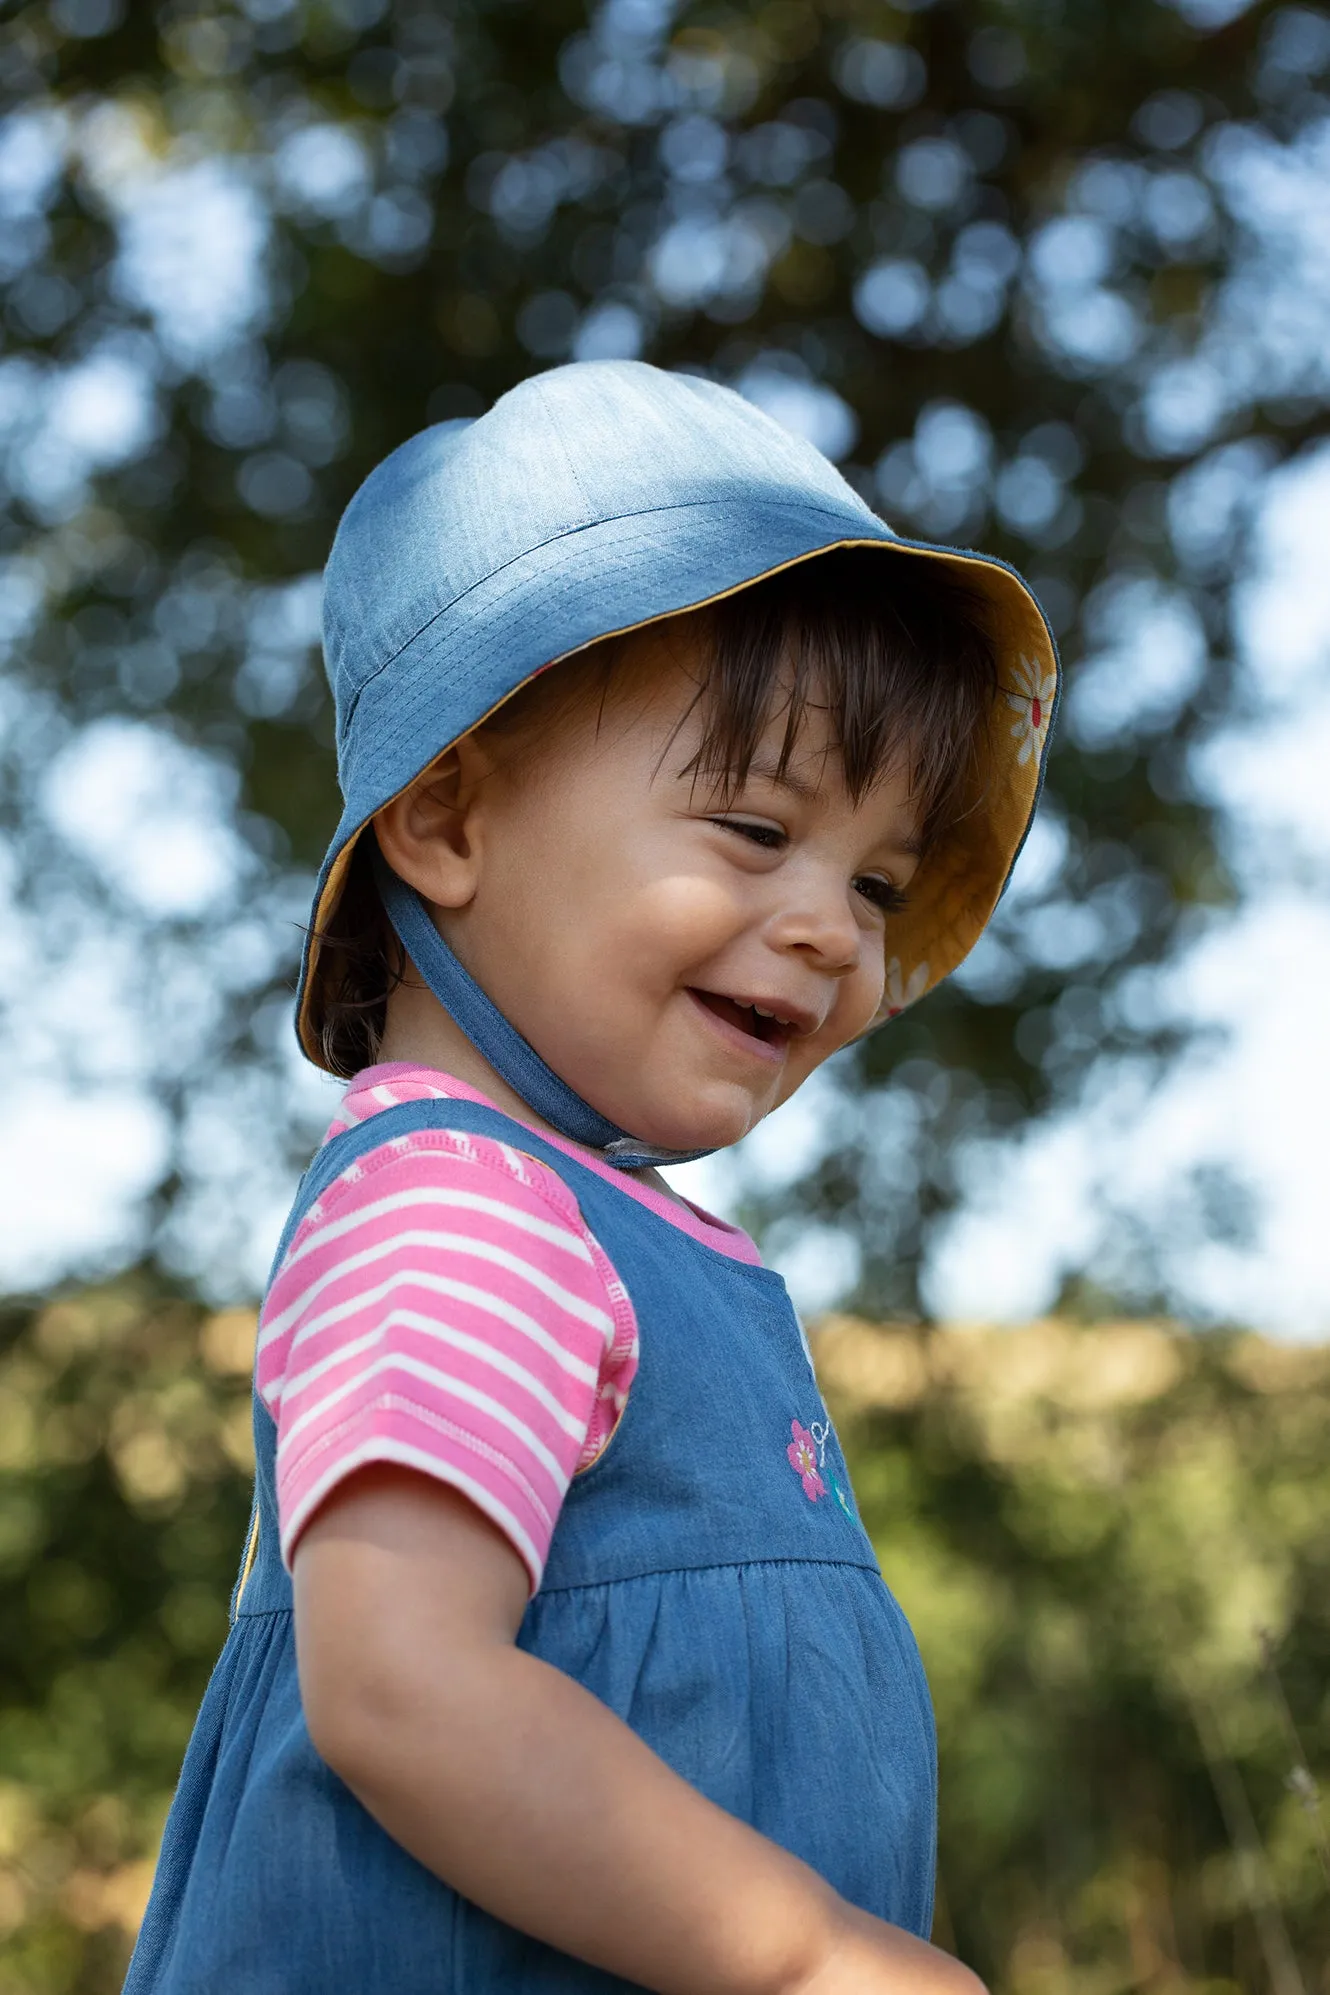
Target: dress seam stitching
x,y
708,1565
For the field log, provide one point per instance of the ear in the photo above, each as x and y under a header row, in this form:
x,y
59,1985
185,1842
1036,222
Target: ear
x,y
432,834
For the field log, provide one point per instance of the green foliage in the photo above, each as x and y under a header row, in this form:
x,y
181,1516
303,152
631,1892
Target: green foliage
x,y
125,1462
1110,1542
1018,263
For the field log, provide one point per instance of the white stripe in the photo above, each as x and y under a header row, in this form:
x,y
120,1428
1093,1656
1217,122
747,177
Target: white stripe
x,y
408,1457
444,1333
518,1162
458,1243
455,1388
481,1298
464,1201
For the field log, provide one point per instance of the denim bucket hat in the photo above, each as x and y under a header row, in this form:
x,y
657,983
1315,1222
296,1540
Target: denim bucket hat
x,y
589,501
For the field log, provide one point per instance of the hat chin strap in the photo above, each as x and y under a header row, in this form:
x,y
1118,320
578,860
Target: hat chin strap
x,y
512,1057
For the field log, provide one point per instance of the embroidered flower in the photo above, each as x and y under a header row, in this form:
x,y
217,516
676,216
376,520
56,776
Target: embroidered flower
x,y
842,1497
802,1453
901,990
1033,703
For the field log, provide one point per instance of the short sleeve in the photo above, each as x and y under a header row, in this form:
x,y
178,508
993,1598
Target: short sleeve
x,y
444,1306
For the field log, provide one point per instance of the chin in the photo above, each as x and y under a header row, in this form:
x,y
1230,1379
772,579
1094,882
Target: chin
x,y
705,1125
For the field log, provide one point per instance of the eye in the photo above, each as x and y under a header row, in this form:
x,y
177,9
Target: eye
x,y
769,836
881,894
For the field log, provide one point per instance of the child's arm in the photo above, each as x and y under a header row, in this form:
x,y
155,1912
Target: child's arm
x,y
526,1793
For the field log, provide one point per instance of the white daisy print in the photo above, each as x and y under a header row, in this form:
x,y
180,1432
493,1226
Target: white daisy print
x,y
902,990
1033,704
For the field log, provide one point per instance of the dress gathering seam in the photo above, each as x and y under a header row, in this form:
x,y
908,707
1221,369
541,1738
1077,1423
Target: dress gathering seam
x,y
712,1565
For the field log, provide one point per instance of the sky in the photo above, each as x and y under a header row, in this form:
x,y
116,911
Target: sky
x,y
108,1003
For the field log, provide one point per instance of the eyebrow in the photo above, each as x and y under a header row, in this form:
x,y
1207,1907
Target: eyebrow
x,y
762,766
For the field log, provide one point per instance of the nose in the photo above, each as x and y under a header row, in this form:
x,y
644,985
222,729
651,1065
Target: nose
x,y
818,923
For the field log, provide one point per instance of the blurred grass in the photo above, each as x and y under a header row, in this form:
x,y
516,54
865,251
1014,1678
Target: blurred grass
x,y
1111,1541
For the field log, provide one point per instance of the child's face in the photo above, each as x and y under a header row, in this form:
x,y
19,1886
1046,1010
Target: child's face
x,y
627,924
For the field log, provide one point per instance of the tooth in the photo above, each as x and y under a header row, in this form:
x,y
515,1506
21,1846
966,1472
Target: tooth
x,y
763,1014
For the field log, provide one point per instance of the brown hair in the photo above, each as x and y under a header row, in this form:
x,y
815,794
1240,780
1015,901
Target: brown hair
x,y
898,657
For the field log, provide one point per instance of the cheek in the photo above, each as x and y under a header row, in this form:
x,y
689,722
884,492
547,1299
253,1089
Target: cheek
x,y
688,915
653,916
856,1007
873,982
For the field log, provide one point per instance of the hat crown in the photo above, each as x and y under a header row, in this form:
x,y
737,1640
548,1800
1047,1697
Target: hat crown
x,y
578,446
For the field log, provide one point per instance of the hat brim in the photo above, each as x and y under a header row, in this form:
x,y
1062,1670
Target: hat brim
x,y
619,575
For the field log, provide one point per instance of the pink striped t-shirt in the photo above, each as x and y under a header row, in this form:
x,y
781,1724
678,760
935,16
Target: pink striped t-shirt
x,y
443,1305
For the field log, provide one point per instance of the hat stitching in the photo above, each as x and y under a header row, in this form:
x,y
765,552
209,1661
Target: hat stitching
x,y
980,560
889,539
552,414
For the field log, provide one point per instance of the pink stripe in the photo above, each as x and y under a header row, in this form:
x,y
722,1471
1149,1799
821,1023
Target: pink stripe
x,y
412,1083
443,1304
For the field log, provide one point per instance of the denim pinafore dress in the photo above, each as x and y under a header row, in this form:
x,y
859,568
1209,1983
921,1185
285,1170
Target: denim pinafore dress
x,y
708,1579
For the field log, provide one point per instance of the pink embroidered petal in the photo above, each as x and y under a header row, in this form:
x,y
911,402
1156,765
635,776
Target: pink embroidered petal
x,y
802,1457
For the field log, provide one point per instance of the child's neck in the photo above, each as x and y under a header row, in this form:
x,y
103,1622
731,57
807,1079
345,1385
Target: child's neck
x,y
419,1032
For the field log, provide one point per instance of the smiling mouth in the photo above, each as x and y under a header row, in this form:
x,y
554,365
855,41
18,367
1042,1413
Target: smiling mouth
x,y
761,1025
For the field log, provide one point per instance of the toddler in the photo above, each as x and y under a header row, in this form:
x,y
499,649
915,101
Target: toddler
x,y
559,1659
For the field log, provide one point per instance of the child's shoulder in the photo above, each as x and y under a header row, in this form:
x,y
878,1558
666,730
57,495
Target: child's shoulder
x,y
483,1166
391,1084
428,1207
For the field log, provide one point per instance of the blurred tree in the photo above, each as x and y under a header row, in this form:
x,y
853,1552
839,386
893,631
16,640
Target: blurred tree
x,y
125,1475
1091,1530
1040,276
